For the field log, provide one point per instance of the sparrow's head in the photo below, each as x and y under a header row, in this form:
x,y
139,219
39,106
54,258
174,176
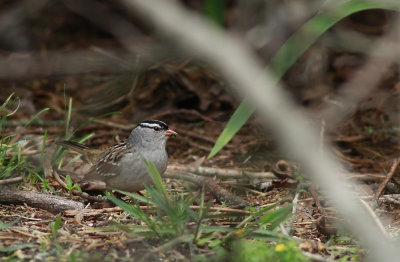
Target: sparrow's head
x,y
151,132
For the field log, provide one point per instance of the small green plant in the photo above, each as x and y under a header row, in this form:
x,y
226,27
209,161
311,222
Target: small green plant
x,y
68,119
9,224
45,184
215,11
12,159
83,256
10,152
345,254
170,219
257,251
9,249
13,248
70,185
55,226
36,116
170,214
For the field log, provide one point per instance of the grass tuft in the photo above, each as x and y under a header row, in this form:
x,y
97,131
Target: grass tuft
x,y
168,218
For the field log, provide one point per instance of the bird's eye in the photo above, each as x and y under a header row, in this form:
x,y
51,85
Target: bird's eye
x,y
156,128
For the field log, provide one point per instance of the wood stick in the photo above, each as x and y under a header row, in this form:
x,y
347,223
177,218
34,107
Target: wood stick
x,y
11,180
389,176
93,212
51,203
220,173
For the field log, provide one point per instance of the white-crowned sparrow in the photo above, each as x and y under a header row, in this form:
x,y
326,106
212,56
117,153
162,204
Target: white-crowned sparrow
x,y
121,166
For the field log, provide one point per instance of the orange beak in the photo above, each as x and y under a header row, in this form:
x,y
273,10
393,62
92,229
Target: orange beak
x,y
170,132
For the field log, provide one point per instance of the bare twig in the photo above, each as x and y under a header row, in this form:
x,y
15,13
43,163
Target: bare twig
x,y
52,203
221,173
88,197
389,176
366,177
95,212
58,179
11,180
375,217
390,199
92,212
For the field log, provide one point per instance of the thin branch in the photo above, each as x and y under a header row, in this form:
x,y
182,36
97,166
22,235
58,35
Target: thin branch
x,y
375,217
388,177
221,173
11,180
52,203
94,212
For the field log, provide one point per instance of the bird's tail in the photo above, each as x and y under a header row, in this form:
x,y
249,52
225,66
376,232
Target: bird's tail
x,y
89,154
78,147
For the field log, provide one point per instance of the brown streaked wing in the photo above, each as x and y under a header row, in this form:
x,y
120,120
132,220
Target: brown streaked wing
x,y
109,164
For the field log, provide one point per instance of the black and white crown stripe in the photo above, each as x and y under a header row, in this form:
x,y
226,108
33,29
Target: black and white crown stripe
x,y
154,124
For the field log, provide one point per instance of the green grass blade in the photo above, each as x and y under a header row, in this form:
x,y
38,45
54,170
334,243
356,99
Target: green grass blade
x,y
135,212
161,202
13,164
238,119
290,52
68,119
3,118
6,102
84,138
19,158
126,207
138,197
192,215
215,10
275,217
9,224
43,152
155,176
56,225
15,247
267,235
36,115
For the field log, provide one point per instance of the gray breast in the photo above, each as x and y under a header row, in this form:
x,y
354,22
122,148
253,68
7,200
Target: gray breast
x,y
134,173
